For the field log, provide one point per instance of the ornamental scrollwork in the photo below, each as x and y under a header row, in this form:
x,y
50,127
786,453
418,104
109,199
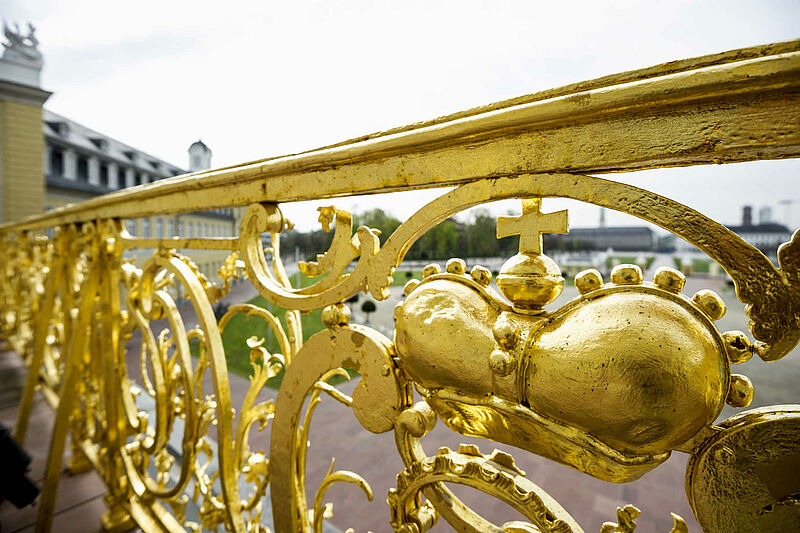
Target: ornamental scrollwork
x,y
525,350
649,372
770,294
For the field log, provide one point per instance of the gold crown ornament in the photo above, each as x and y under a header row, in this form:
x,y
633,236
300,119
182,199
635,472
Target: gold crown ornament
x,y
609,384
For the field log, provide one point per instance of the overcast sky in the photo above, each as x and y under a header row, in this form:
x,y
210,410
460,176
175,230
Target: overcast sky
x,y
267,78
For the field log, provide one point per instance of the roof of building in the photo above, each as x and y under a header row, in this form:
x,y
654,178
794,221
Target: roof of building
x,y
62,130
611,229
200,144
770,227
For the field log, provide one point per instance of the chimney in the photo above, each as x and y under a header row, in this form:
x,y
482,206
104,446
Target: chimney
x,y
747,216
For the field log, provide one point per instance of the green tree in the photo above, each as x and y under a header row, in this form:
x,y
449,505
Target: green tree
x,y
481,236
368,307
439,242
377,219
446,237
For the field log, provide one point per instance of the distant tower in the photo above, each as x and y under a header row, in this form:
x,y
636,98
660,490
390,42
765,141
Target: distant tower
x,y
602,217
747,216
765,215
199,156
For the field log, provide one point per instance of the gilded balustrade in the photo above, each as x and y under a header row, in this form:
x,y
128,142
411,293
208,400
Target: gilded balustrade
x,y
609,384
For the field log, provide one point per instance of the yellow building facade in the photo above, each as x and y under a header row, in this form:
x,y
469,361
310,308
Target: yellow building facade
x,y
21,151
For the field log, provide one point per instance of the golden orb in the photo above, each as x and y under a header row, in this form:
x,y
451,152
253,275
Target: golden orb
x,y
530,281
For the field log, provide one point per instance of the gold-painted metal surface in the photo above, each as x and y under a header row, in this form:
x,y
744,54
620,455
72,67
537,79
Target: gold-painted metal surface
x,y
609,384
747,477
531,225
626,522
647,370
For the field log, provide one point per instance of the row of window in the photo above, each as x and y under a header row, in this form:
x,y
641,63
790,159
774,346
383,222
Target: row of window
x,y
211,269
188,229
82,170
226,211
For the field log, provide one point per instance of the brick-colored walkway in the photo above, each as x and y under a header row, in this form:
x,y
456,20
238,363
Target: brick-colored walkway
x,y
79,503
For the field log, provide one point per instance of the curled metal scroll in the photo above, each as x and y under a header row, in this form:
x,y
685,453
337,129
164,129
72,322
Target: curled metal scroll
x,y
376,402
771,295
336,287
148,301
255,465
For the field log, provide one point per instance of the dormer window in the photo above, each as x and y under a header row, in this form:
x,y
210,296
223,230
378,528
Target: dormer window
x,y
131,155
100,142
61,128
155,164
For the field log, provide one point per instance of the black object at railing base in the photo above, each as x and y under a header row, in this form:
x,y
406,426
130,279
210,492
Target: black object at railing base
x,y
14,462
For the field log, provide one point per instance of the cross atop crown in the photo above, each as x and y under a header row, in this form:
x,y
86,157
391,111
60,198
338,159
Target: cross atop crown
x,y
531,225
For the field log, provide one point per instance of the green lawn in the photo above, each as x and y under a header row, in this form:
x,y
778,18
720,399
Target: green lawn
x,y
401,277
699,266
626,259
240,328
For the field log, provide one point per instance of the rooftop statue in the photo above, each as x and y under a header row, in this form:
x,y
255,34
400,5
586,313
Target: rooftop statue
x,y
22,48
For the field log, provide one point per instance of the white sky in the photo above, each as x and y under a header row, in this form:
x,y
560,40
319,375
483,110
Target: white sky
x,y
266,78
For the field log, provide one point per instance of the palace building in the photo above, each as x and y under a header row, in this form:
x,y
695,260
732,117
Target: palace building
x,y
80,163
628,238
75,162
765,234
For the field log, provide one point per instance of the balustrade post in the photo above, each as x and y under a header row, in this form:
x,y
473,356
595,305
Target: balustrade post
x,y
117,518
76,347
54,280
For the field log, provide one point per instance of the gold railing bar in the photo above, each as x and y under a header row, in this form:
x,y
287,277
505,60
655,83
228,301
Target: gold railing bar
x,y
662,69
538,136
226,243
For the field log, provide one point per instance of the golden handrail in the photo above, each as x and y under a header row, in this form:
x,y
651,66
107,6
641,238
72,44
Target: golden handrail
x,y
743,88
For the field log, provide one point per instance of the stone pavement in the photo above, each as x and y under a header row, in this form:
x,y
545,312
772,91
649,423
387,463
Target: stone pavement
x,y
79,503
